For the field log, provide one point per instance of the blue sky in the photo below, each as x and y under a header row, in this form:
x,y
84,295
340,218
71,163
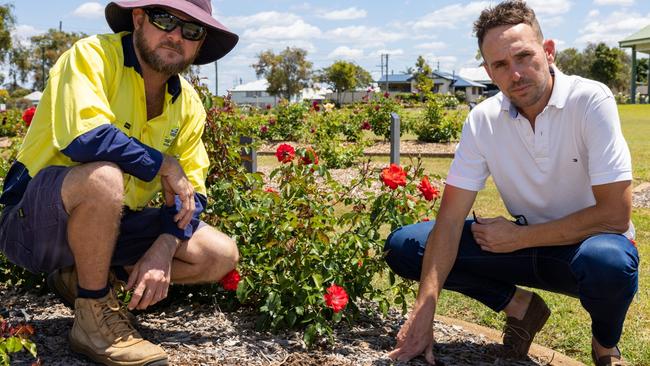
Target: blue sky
x,y
358,31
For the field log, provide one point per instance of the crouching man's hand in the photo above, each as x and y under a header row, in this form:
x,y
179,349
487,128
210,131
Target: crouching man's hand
x,y
151,275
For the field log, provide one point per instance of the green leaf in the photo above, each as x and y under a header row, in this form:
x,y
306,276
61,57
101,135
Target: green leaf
x,y
29,346
318,280
309,335
13,345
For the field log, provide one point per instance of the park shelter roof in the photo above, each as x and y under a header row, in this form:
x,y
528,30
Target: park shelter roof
x,y
34,97
639,40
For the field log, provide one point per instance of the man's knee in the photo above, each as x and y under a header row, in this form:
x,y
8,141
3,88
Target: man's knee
x,y
403,253
608,263
220,253
98,183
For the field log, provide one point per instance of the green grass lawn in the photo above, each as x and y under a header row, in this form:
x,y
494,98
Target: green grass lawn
x,y
568,329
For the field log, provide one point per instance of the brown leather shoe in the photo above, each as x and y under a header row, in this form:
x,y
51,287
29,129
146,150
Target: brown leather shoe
x,y
518,334
103,332
608,360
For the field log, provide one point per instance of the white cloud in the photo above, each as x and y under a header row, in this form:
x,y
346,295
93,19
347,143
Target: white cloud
x,y
260,20
445,63
90,10
552,22
345,14
345,52
22,33
366,36
279,45
432,45
297,30
612,28
396,52
451,16
550,7
614,2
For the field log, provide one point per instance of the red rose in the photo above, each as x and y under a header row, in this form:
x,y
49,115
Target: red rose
x,y
366,125
428,191
268,106
231,280
310,157
264,129
28,114
377,107
316,106
285,153
386,94
336,298
393,176
272,121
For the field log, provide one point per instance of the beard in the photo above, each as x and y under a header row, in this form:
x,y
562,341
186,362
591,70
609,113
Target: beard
x,y
535,93
157,63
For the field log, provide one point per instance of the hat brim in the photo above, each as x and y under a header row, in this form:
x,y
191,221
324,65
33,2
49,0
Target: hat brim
x,y
218,40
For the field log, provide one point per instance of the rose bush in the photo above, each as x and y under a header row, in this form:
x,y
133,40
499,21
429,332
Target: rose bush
x,y
378,110
11,123
439,124
310,235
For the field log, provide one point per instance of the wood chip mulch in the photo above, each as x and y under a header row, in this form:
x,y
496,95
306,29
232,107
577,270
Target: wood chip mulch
x,y
195,334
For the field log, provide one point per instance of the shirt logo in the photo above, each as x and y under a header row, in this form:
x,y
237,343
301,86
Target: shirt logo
x,y
127,125
169,139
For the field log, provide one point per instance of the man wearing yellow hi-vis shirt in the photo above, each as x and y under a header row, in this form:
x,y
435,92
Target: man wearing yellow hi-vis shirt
x,y
116,125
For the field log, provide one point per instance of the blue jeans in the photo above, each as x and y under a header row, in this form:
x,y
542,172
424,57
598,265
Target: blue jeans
x,y
602,272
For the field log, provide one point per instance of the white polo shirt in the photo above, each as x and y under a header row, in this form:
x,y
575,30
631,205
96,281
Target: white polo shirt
x,y
545,174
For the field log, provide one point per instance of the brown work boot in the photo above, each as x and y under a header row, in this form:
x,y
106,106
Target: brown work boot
x,y
518,334
63,283
103,332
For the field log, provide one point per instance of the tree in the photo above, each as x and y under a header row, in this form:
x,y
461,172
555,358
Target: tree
x,y
20,66
422,75
344,76
7,23
642,70
573,62
287,73
607,65
46,50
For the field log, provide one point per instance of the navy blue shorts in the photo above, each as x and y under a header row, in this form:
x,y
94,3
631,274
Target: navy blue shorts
x,y
33,233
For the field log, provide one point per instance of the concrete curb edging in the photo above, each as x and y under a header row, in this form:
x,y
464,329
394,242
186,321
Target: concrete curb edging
x,y
553,358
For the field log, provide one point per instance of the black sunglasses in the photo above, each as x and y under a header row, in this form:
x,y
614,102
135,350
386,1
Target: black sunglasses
x,y
168,22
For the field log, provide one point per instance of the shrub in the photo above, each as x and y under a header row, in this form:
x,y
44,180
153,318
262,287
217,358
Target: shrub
x,y
438,125
339,154
378,110
290,121
305,242
11,123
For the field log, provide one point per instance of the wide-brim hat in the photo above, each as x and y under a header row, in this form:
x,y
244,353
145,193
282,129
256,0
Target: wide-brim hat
x,y
218,40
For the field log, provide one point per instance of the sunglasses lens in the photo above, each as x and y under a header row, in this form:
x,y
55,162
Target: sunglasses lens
x,y
167,22
193,32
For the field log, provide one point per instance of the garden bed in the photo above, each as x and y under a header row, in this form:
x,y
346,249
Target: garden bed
x,y
381,148
195,334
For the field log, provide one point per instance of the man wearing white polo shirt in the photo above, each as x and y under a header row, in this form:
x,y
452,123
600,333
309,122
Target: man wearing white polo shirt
x,y
554,147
